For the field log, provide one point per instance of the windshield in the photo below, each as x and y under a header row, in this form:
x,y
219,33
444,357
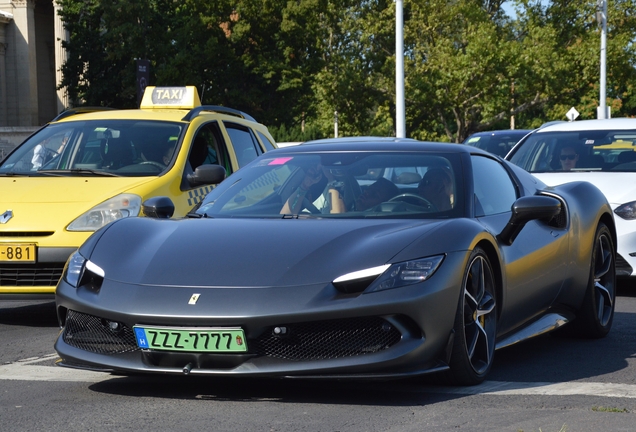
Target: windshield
x,y
602,150
499,143
341,185
97,147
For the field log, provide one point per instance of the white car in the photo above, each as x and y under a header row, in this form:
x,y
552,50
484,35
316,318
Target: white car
x,y
602,152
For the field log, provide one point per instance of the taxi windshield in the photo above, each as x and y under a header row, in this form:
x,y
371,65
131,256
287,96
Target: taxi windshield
x,y
128,148
341,185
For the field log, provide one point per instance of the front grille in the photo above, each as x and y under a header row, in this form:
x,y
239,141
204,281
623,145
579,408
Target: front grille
x,y
329,339
318,340
26,275
26,233
93,334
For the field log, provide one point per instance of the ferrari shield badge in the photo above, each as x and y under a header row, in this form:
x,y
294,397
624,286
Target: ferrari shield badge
x,y
194,298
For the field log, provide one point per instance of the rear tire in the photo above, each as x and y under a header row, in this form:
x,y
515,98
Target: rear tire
x,y
475,324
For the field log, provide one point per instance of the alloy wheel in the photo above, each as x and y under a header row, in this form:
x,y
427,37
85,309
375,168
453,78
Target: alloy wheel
x,y
479,314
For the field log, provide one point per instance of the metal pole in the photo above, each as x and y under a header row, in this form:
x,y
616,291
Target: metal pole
x,y
400,116
335,124
602,109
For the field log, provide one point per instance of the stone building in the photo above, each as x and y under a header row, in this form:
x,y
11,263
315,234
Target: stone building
x,y
31,56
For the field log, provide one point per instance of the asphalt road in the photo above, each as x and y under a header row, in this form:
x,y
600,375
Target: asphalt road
x,y
546,384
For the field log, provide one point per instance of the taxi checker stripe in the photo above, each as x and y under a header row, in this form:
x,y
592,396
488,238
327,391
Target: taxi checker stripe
x,y
196,195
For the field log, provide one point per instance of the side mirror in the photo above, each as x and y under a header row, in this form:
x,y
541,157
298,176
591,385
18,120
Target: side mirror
x,y
207,174
160,207
526,209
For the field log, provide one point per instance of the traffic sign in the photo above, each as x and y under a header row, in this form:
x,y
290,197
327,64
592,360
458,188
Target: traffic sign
x,y
572,114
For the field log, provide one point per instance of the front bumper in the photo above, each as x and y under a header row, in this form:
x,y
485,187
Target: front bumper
x,y
391,333
626,247
32,281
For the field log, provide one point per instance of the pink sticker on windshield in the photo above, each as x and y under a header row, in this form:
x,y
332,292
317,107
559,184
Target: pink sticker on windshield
x,y
280,161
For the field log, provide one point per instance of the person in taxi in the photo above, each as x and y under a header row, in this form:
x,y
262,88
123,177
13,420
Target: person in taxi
x,y
42,153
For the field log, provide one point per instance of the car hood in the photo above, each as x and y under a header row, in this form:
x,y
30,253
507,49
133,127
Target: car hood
x,y
618,187
49,203
249,252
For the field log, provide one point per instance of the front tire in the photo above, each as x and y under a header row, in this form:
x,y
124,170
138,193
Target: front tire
x,y
475,323
594,319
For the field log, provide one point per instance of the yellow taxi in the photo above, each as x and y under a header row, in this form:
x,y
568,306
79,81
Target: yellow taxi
x,y
90,166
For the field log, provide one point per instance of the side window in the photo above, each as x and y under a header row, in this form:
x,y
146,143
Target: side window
x,y
494,190
244,142
266,142
208,147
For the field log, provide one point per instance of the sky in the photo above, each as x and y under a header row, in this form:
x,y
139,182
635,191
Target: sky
x,y
509,9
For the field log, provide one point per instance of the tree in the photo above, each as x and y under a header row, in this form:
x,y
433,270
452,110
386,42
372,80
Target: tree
x,y
293,64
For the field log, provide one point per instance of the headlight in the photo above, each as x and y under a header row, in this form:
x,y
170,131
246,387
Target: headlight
x,y
80,271
406,273
627,210
121,206
74,268
389,276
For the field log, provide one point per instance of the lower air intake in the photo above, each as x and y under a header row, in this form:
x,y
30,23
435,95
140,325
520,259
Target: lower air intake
x,y
94,334
331,339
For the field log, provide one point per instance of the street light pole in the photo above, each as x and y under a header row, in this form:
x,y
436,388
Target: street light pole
x,y
601,16
400,116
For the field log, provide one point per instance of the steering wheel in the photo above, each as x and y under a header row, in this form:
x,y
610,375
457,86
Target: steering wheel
x,y
153,163
410,197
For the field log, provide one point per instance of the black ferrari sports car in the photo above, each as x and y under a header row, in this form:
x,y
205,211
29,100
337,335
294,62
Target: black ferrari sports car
x,y
346,258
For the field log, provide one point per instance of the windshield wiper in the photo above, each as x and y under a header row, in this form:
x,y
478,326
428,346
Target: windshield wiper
x,y
79,171
298,216
16,174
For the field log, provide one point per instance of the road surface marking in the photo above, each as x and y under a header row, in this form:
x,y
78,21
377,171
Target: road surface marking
x,y
27,370
542,389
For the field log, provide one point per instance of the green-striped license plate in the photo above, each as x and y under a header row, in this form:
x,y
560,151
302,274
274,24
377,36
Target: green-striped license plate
x,y
191,339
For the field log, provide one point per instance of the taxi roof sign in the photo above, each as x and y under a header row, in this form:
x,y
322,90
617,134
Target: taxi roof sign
x,y
170,97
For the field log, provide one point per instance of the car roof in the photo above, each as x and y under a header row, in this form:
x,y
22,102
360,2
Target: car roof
x,y
175,115
360,139
173,104
585,125
131,114
379,144
519,132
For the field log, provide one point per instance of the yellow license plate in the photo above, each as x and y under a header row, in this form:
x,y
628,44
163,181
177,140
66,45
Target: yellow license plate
x,y
12,252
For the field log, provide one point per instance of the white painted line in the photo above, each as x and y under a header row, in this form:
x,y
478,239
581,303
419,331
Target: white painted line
x,y
24,370
541,388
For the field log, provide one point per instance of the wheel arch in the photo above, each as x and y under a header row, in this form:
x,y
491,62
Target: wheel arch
x,y
608,220
495,262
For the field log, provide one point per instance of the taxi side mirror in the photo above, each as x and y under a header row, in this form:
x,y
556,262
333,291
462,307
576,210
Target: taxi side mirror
x,y
159,207
207,174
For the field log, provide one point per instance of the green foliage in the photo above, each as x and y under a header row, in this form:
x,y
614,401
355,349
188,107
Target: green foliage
x,y
296,133
468,66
